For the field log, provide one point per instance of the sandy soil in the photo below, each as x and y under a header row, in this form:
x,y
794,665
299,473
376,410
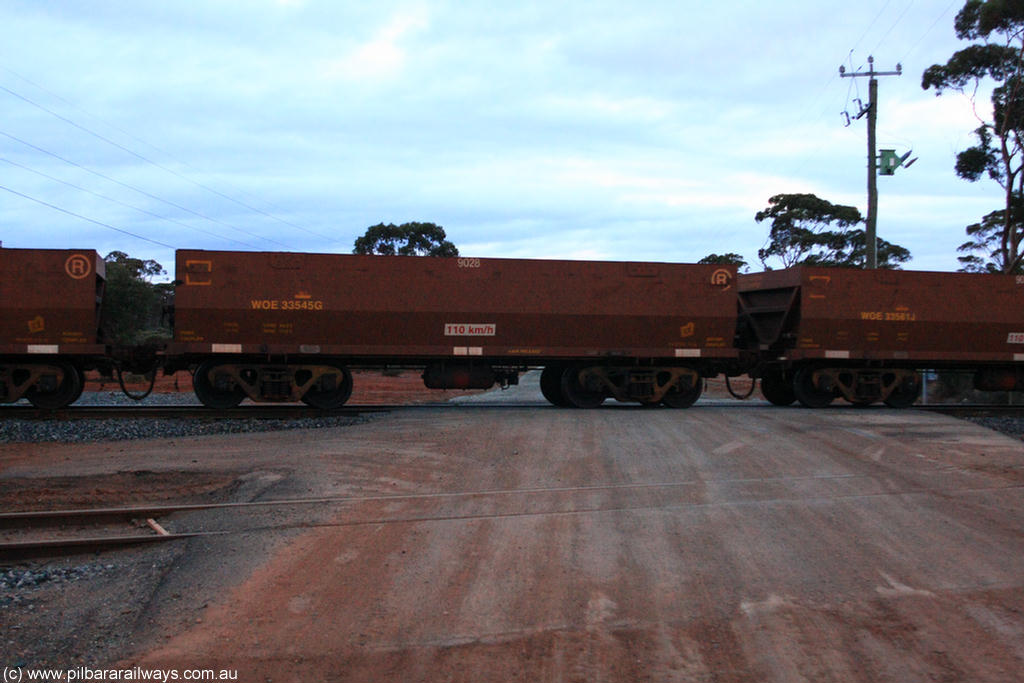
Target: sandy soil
x,y
537,544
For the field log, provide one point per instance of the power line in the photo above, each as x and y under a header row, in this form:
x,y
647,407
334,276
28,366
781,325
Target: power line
x,y
86,218
930,29
870,26
157,164
140,191
894,25
124,204
122,131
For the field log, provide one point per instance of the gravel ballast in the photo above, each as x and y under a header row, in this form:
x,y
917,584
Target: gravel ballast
x,y
88,430
1011,426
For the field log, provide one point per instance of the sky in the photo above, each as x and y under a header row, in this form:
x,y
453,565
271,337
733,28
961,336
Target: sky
x,y
647,131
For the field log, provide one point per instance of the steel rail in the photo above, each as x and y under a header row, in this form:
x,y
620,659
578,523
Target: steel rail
x,y
259,412
88,515
296,412
973,409
53,547
293,412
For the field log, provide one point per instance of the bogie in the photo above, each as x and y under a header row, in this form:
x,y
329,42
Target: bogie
x,y
551,385
905,391
777,388
225,385
215,386
57,386
683,393
580,389
331,390
812,388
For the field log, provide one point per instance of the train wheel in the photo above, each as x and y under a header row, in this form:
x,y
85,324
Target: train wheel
x,y
809,394
551,385
81,385
328,394
777,389
905,394
575,394
683,394
64,394
215,390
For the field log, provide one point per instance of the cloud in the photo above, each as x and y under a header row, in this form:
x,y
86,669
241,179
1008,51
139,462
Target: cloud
x,y
652,130
383,56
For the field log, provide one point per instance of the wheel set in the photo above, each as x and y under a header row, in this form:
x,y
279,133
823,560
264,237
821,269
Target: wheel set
x,y
224,385
49,385
816,386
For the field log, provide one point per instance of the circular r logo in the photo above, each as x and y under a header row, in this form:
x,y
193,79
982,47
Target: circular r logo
x,y
721,278
78,266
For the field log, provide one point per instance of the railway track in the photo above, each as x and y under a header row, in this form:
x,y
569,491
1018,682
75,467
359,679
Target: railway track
x,y
196,412
37,534
79,531
975,410
296,412
50,533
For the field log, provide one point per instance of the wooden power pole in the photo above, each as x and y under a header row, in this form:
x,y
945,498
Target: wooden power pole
x,y
870,234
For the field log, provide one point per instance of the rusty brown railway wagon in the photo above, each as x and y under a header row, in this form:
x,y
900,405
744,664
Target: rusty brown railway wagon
x,y
289,326
864,335
49,323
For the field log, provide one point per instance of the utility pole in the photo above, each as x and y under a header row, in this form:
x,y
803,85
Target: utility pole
x,y
871,241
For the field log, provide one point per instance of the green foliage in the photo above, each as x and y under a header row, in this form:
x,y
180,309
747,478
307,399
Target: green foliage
x,y
136,268
407,239
806,229
854,253
133,306
981,251
730,259
997,242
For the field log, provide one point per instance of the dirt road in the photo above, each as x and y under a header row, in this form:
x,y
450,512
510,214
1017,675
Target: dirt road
x,y
716,544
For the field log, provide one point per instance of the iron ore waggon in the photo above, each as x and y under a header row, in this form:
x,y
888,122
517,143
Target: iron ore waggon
x,y
822,333
275,326
49,323
289,326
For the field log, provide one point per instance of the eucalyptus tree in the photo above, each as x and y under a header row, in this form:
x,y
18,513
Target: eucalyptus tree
x,y
996,57
407,239
808,230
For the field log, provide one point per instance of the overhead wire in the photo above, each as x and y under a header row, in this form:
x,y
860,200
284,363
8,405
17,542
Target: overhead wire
x,y
85,218
924,35
870,26
156,164
124,204
125,133
139,190
854,86
893,26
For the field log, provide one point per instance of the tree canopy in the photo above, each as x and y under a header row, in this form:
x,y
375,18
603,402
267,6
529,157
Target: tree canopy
x,y
137,268
997,242
982,252
132,304
730,259
407,239
806,229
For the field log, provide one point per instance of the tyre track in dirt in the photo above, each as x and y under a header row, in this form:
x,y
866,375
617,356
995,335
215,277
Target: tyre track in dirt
x,y
771,545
